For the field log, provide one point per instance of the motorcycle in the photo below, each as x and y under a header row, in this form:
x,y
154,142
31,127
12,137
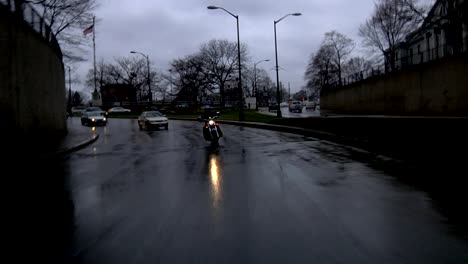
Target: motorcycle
x,y
211,130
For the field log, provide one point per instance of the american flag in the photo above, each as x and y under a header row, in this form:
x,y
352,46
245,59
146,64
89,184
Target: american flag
x,y
88,30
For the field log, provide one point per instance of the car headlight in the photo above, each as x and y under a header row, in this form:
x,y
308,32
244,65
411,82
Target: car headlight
x,y
104,119
93,119
211,122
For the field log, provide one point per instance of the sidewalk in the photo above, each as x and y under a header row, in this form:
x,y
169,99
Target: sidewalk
x,y
78,137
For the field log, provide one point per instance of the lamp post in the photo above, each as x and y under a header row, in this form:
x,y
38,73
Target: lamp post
x,y
69,92
150,95
278,99
255,83
241,96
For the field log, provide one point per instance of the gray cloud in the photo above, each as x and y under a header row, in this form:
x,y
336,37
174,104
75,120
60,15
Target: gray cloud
x,y
169,29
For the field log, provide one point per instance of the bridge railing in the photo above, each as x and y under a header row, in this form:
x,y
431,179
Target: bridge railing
x,y
30,15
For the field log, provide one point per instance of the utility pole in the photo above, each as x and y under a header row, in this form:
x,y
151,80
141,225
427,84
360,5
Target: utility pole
x,y
289,91
69,91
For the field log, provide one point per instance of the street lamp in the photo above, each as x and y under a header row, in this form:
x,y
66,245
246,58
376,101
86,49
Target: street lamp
x,y
241,96
255,83
150,95
278,99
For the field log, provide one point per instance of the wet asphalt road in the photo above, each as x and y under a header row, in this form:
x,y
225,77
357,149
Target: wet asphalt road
x,y
260,197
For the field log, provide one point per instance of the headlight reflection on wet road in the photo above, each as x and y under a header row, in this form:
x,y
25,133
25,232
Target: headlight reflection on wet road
x,y
215,178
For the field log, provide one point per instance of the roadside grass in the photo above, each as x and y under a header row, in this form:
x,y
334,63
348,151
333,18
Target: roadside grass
x,y
233,115
249,116
229,115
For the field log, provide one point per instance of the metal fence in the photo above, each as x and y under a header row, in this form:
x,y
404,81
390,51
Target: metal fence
x,y
30,16
400,64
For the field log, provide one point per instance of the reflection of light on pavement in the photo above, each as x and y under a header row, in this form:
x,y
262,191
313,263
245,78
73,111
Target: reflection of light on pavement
x,y
214,173
106,139
215,181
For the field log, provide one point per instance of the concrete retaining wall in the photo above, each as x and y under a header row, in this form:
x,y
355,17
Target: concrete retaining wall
x,y
437,88
32,85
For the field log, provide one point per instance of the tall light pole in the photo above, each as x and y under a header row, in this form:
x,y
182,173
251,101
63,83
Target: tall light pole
x,y
150,95
278,99
69,92
255,82
241,96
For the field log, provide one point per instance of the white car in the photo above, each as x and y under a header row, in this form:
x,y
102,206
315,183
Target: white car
x,y
295,106
310,105
151,119
119,109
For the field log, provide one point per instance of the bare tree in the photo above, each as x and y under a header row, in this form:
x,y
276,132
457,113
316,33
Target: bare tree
x,y
341,47
192,80
390,23
67,19
356,65
124,70
321,71
221,61
420,9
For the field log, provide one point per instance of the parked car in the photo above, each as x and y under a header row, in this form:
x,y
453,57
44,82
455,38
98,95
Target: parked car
x,y
151,119
93,118
119,109
310,105
295,106
284,104
77,110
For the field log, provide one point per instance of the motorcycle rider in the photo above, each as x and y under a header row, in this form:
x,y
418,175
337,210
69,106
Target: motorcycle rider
x,y
206,115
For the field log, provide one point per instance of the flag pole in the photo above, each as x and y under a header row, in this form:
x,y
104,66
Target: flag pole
x,y
94,51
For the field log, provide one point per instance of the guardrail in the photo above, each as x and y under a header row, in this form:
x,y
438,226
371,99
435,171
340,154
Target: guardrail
x,y
30,16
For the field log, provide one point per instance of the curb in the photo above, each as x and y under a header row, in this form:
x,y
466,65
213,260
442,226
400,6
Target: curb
x,y
362,145
294,130
78,146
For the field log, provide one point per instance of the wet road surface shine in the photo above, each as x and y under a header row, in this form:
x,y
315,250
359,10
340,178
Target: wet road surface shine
x,y
260,197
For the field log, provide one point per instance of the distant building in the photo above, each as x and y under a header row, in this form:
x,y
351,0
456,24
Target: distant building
x,y
118,95
444,32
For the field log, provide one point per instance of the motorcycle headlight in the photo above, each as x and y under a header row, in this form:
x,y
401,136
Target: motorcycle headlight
x,y
211,122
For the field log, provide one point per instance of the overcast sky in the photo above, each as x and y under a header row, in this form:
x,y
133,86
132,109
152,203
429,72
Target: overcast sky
x,y
168,29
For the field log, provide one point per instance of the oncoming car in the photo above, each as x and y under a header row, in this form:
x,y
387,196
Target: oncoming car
x,y
295,106
93,118
95,109
151,119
